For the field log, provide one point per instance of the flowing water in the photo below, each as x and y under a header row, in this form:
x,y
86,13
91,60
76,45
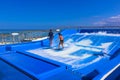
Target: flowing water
x,y
81,49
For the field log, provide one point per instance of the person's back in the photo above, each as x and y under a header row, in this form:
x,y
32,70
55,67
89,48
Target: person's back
x,y
61,37
50,35
61,40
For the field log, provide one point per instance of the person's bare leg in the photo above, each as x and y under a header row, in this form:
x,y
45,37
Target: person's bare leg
x,y
50,43
62,45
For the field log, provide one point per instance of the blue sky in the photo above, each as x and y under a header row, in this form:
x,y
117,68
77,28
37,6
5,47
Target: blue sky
x,y
37,14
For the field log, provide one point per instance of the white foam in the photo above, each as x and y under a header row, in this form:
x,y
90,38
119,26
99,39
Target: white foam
x,y
91,49
61,57
71,46
38,39
78,66
105,45
99,33
85,42
64,56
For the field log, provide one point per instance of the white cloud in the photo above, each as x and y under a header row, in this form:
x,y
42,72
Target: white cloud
x,y
111,21
115,17
100,23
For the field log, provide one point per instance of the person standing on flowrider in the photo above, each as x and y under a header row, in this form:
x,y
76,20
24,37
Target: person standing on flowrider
x,y
61,40
50,35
